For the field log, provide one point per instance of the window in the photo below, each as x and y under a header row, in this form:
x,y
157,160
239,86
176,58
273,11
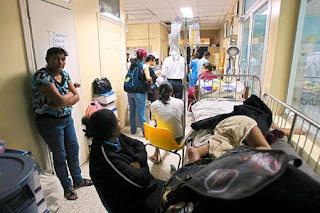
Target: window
x,y
258,41
253,41
248,4
110,7
304,84
244,55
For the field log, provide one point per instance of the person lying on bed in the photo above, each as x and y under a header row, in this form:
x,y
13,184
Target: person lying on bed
x,y
230,133
118,167
168,113
207,68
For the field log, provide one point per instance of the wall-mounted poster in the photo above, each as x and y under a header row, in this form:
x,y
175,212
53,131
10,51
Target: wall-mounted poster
x,y
225,29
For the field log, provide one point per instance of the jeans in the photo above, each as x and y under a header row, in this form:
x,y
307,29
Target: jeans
x,y
137,102
60,136
177,87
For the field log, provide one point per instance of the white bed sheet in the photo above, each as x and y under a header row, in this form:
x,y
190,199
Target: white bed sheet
x,y
211,107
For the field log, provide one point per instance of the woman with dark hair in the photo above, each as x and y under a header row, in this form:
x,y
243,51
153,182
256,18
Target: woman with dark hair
x,y
153,90
168,113
54,94
118,167
137,99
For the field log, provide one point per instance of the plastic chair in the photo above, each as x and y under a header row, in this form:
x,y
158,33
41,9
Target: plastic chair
x,y
162,138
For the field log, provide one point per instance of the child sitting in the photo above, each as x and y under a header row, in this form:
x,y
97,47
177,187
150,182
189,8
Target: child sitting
x,y
206,74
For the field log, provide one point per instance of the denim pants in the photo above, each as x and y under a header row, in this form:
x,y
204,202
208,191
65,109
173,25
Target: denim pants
x,y
60,136
137,103
177,87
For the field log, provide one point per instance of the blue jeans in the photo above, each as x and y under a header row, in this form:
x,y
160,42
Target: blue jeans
x,y
60,136
137,102
177,87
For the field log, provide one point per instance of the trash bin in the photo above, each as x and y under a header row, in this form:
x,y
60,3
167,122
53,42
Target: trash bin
x,y
17,183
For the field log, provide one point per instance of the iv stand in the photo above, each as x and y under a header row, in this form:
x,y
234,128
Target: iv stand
x,y
185,80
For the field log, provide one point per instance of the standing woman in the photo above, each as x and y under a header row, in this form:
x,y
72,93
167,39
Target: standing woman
x,y
150,60
54,94
137,99
193,66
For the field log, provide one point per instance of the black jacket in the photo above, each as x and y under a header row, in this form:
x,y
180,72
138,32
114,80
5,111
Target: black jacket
x,y
125,189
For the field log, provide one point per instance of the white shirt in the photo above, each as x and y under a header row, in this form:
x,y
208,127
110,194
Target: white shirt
x,y
169,115
173,69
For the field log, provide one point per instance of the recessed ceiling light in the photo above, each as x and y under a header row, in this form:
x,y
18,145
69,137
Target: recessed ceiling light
x,y
186,12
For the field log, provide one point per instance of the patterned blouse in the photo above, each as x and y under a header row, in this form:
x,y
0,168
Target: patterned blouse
x,y
40,102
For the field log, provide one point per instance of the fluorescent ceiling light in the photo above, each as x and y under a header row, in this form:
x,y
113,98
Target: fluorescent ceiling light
x,y
186,12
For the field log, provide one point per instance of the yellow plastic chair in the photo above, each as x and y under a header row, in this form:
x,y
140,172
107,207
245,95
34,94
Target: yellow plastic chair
x,y
162,138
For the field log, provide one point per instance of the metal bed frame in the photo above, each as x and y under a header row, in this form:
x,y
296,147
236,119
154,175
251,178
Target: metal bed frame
x,y
247,80
307,142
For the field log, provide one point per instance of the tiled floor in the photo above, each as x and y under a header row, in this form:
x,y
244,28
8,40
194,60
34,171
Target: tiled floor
x,y
89,201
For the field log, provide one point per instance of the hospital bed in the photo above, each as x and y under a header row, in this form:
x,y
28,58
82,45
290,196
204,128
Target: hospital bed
x,y
220,95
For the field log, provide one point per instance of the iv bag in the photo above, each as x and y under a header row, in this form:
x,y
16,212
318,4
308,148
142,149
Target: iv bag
x,y
194,35
174,38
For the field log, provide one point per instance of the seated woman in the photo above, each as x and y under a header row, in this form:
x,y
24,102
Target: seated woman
x,y
118,167
207,68
168,113
228,134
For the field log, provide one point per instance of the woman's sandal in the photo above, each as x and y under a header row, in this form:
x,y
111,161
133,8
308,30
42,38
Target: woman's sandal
x,y
71,194
84,182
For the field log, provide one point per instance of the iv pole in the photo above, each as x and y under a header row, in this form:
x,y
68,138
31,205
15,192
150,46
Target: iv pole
x,y
185,80
186,72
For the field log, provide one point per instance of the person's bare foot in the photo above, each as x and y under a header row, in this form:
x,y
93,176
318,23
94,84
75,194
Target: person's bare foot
x,y
192,154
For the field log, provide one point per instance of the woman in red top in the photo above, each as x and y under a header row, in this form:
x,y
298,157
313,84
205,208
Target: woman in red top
x,y
207,68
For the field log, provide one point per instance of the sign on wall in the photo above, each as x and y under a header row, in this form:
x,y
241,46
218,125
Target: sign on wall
x,y
58,39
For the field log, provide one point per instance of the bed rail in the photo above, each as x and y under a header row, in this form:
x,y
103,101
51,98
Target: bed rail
x,y
304,135
225,85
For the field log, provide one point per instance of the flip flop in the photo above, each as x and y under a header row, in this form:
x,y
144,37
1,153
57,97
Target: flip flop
x,y
153,160
84,182
71,194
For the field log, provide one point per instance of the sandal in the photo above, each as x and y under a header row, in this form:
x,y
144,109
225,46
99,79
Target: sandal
x,y
71,194
84,182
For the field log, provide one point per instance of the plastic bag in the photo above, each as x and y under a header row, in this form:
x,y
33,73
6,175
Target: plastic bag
x,y
101,86
160,79
93,106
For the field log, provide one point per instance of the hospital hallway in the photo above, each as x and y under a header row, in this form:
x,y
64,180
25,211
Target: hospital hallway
x,y
225,51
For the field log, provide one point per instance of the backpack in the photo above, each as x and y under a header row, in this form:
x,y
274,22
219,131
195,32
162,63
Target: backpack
x,y
243,178
131,81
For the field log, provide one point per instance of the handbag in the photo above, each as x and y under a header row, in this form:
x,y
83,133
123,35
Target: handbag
x,y
101,85
151,87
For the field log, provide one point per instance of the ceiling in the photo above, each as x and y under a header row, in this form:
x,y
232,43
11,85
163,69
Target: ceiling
x,y
209,13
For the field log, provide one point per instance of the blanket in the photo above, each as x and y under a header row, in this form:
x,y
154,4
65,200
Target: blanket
x,y
253,107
